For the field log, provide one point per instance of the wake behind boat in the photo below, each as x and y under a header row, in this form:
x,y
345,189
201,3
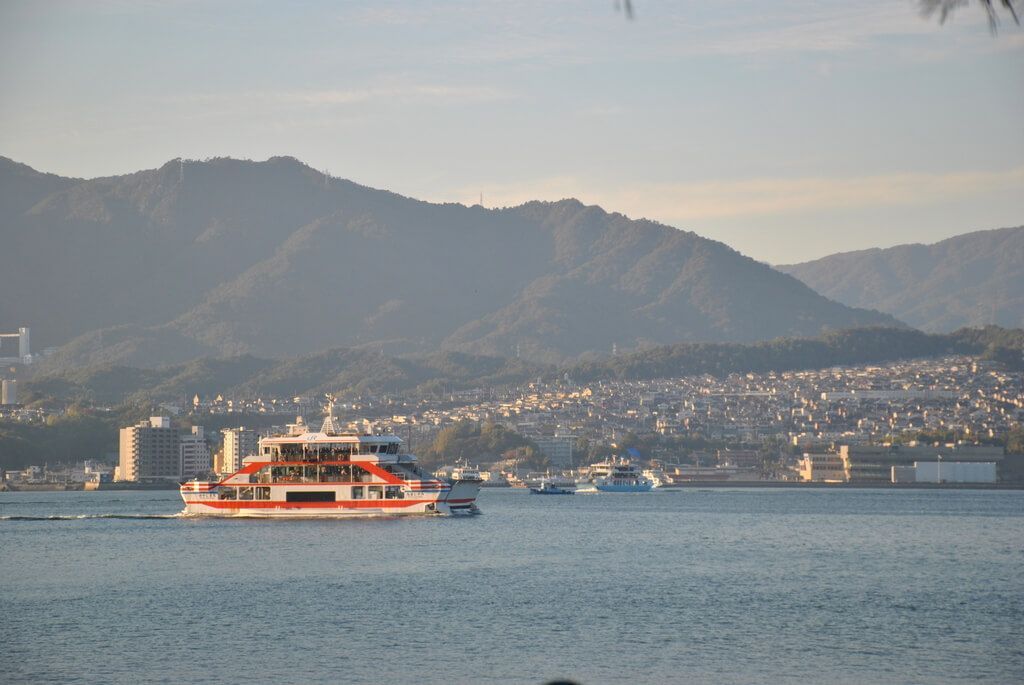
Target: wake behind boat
x,y
330,474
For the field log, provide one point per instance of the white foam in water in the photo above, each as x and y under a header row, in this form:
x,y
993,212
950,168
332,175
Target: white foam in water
x,y
79,517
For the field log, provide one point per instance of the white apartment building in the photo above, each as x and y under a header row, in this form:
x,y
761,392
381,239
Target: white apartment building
x,y
194,454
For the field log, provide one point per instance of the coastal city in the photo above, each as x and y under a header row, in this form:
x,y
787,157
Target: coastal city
x,y
922,421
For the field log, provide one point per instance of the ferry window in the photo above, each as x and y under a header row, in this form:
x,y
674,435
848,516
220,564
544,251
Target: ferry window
x,y
227,493
376,492
361,475
263,493
357,492
330,474
245,493
393,448
393,492
310,496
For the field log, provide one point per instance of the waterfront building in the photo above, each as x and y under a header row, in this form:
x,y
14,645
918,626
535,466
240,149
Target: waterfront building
x,y
748,459
822,468
946,472
150,449
874,463
194,454
239,443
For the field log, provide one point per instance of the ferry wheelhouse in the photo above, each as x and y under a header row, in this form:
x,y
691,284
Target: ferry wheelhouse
x,y
329,473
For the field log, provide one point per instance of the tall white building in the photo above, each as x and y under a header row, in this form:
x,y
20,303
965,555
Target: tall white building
x,y
24,346
239,443
9,392
194,454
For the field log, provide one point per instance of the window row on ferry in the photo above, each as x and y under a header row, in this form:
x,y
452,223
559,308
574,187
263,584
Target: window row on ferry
x,y
328,452
356,492
322,473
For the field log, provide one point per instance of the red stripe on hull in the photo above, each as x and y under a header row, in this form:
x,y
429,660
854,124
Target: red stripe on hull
x,y
344,504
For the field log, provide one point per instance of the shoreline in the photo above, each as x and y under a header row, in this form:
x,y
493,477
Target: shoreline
x,y
841,486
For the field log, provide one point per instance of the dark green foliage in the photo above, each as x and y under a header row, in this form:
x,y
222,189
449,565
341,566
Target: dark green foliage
x,y
64,439
1015,441
353,372
347,372
479,444
841,348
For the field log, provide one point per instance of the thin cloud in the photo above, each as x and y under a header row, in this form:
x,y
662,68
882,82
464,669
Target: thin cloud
x,y
329,97
681,203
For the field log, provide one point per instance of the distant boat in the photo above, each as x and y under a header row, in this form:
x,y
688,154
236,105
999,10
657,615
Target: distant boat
x,y
467,473
619,475
534,479
495,479
548,487
661,480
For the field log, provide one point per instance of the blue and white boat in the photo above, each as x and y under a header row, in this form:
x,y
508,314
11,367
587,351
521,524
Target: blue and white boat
x,y
619,475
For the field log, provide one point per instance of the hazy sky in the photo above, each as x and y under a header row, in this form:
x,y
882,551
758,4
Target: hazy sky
x,y
788,129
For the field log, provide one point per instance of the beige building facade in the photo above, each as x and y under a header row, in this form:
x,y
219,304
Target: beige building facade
x,y
822,468
150,449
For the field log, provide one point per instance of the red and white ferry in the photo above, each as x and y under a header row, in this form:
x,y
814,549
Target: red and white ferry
x,y
329,474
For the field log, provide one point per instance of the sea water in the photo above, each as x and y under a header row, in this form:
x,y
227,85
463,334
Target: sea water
x,y
696,586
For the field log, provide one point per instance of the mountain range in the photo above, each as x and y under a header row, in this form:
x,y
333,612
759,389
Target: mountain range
x,y
969,280
228,257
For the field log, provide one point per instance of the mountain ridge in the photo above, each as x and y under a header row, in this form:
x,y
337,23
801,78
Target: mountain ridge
x,y
966,280
275,259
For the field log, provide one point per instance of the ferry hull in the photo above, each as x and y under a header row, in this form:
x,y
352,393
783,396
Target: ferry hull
x,y
459,498
345,510
640,487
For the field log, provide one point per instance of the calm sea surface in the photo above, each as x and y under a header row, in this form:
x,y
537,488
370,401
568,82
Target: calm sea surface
x,y
698,586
